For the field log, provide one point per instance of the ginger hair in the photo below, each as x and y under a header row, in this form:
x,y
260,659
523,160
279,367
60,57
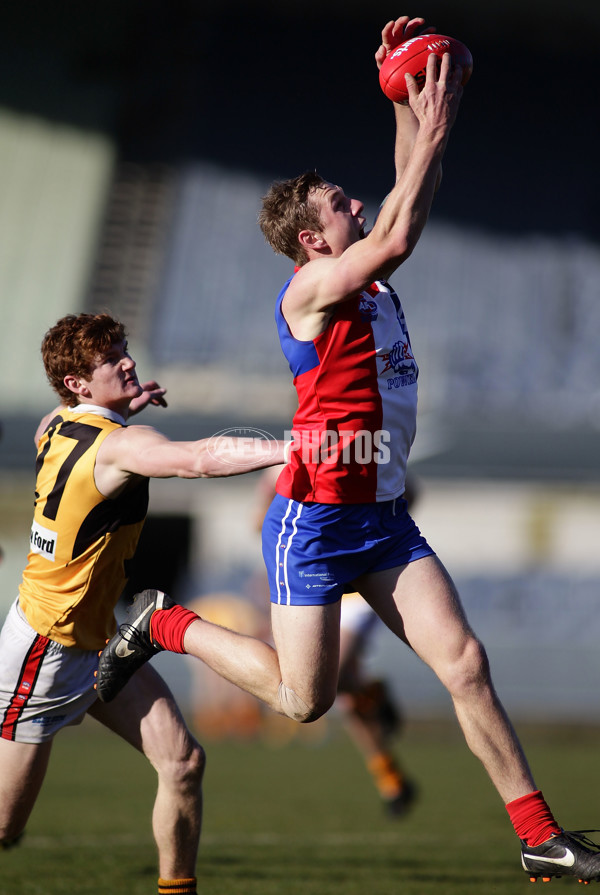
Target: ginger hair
x,y
72,347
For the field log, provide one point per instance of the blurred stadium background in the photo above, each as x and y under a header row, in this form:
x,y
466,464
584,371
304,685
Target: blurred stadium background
x,y
136,140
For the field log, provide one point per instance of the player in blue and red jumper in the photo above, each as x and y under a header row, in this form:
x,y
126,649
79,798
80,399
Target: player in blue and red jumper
x,y
339,521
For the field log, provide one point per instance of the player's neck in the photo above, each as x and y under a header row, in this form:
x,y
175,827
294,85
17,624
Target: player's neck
x,y
111,414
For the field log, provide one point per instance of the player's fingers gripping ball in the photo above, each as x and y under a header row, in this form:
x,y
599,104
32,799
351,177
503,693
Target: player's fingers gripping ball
x,y
411,58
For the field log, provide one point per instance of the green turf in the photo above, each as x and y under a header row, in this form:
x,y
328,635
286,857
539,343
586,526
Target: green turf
x,y
302,818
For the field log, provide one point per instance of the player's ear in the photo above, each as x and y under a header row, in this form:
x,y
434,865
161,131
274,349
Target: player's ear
x,y
311,239
76,385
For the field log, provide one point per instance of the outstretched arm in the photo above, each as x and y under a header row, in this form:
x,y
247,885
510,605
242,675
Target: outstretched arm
x,y
330,280
402,218
407,125
143,451
423,128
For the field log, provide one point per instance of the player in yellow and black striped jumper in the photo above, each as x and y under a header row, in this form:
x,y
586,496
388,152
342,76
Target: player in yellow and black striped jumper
x,y
91,499
81,543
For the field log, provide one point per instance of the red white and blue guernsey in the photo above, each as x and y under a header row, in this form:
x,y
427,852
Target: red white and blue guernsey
x,y
338,511
357,402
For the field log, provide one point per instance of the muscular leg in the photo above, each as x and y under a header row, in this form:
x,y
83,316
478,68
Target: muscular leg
x,y
146,716
22,770
419,603
298,678
307,639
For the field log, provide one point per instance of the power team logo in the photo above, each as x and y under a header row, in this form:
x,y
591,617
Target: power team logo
x,y
401,360
43,541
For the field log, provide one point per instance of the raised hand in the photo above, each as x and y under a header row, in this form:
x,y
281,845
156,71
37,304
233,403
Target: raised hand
x,y
399,31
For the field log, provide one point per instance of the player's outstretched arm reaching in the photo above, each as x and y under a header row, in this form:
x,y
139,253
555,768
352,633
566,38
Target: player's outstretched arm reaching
x,y
344,259
393,35
143,451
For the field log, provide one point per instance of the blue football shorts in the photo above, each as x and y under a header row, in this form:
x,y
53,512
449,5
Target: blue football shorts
x,y
313,551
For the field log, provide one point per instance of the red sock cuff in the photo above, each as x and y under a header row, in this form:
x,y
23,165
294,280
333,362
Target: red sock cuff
x,y
168,627
532,819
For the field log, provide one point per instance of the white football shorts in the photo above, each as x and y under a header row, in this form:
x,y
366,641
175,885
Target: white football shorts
x,y
44,685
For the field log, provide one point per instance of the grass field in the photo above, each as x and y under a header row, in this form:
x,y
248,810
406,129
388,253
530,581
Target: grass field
x,y
300,818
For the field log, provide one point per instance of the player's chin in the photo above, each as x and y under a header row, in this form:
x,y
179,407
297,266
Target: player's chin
x,y
133,388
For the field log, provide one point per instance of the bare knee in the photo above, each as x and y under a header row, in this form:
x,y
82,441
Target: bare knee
x,y
300,710
191,768
184,771
469,672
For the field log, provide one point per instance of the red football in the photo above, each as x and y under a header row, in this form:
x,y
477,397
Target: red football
x,y
412,56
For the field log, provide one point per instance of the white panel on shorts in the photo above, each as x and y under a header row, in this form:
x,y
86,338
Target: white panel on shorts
x,y
44,685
